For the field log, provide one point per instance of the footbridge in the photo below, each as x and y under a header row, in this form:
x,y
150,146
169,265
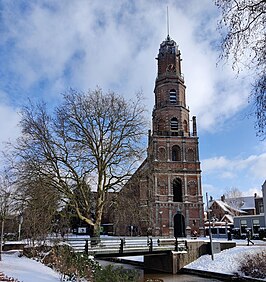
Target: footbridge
x,y
118,247
162,254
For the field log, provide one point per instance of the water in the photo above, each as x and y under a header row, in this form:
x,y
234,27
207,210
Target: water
x,y
153,276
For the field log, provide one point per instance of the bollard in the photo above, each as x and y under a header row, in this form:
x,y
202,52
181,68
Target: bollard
x,y
176,244
122,243
186,245
86,247
150,245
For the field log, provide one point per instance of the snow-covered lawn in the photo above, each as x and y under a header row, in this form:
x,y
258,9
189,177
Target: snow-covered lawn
x,y
26,270
227,261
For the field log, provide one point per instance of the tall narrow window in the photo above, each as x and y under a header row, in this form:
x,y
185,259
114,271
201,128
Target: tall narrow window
x,y
256,226
174,124
176,153
177,190
172,96
243,226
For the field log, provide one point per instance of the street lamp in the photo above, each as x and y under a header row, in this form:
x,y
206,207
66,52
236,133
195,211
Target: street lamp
x,y
209,219
20,221
161,221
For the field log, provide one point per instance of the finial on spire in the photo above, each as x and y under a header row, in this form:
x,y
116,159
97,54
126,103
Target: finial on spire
x,y
168,36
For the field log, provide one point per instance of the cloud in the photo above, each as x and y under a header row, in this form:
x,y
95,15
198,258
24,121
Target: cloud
x,y
254,166
9,120
252,191
56,45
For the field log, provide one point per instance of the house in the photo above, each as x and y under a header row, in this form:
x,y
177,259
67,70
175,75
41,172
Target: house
x,y
241,214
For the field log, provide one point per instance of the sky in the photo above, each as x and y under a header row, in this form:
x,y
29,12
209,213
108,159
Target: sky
x,y
49,46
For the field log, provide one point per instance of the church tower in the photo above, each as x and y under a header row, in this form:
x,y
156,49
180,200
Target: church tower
x,y
173,150
164,196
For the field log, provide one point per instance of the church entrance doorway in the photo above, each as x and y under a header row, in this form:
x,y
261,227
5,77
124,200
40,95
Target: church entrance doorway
x,y
179,225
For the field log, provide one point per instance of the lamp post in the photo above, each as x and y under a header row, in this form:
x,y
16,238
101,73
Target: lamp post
x,y
20,221
161,222
210,232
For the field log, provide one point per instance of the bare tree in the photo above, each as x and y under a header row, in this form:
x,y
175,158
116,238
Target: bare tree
x,y
6,203
38,203
234,198
88,146
244,41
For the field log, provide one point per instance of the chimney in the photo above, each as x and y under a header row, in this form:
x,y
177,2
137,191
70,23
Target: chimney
x,y
223,198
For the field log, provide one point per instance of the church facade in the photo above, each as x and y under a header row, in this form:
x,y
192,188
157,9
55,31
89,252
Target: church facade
x,y
164,196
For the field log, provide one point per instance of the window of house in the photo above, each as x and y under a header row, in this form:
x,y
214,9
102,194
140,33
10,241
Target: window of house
x,y
256,225
172,96
174,124
243,226
176,153
177,190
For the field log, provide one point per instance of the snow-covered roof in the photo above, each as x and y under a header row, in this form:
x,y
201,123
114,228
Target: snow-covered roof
x,y
228,217
227,208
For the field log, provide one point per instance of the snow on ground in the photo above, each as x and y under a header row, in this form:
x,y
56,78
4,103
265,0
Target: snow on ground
x,y
227,261
28,270
25,269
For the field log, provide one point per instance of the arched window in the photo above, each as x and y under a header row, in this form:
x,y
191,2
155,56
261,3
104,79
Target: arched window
x,y
185,126
176,153
172,94
190,155
177,190
174,124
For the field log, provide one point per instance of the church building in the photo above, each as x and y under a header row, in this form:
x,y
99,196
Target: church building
x,y
164,196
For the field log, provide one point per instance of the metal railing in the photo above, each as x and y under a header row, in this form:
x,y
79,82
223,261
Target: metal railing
x,y
116,246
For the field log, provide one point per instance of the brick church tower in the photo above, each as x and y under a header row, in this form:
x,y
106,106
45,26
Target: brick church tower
x,y
167,186
173,150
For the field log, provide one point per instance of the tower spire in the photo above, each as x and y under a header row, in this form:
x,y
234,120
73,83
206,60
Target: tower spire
x,y
168,36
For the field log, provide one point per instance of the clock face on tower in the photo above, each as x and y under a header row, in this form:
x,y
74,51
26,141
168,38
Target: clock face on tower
x,y
171,68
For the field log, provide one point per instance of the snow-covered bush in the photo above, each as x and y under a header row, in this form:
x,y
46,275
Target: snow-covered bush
x,y
116,274
254,265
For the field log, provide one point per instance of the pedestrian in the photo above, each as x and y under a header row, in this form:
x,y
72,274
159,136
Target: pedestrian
x,y
249,238
194,234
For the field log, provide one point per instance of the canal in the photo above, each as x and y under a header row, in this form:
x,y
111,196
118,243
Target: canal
x,y
153,276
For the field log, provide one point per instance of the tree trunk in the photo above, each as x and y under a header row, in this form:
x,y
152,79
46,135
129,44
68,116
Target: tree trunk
x,y
2,238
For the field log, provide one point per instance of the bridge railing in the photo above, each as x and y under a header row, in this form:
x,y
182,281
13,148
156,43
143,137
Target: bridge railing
x,y
99,246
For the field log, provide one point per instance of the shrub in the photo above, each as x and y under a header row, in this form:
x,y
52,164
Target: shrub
x,y
75,266
254,265
116,274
